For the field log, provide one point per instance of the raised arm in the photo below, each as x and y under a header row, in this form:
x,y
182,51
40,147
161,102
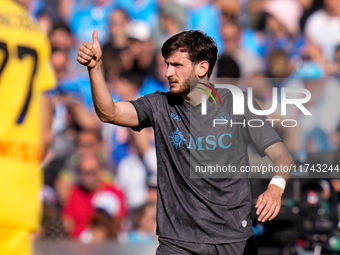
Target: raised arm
x,y
118,113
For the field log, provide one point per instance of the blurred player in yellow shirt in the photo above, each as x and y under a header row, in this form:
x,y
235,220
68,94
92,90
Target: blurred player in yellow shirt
x,y
25,73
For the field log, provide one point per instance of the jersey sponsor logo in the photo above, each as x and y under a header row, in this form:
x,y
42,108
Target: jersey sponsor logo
x,y
175,117
22,152
210,142
177,138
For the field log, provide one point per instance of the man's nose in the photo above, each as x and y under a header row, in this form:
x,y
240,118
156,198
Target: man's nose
x,y
169,71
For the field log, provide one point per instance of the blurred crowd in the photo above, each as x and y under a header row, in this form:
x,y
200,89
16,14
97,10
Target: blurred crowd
x,y
100,179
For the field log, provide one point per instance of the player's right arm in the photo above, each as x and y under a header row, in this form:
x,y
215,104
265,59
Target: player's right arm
x,y
118,113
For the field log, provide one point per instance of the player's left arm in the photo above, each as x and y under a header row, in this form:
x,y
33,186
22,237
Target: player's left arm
x,y
268,203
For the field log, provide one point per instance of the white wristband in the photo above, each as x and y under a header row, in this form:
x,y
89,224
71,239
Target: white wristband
x,y
279,181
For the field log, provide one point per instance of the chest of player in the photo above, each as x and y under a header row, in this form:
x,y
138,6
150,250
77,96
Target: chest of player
x,y
183,128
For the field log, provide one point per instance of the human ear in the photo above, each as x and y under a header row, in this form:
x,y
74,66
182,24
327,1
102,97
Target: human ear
x,y
202,69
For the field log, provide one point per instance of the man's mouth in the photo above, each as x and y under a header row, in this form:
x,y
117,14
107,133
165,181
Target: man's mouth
x,y
172,82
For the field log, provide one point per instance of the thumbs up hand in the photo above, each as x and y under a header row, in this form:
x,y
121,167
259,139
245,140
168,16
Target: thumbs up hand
x,y
90,54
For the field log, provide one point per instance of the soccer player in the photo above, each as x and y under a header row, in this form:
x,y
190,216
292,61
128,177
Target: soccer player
x,y
25,73
194,215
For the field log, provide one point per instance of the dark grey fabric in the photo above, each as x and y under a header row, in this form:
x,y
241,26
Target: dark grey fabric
x,y
200,210
174,247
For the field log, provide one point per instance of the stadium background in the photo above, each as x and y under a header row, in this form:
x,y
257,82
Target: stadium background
x,y
274,43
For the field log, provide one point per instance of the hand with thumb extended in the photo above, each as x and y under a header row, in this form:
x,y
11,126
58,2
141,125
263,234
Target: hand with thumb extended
x,y
95,38
90,54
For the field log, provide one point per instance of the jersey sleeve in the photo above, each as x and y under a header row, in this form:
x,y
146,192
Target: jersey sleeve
x,y
144,106
261,137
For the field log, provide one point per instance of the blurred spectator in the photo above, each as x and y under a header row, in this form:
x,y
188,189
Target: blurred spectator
x,y
69,100
172,20
244,12
184,3
118,41
73,91
237,11
249,63
145,10
145,145
314,133
140,56
116,142
152,194
282,30
52,225
70,83
48,17
45,22
336,64
230,10
144,225
133,83
59,60
84,16
119,21
140,163
105,222
89,144
309,7
61,38
323,30
128,84
135,188
279,65
159,81
44,12
34,6
78,210
124,87
63,126
205,15
337,139
227,67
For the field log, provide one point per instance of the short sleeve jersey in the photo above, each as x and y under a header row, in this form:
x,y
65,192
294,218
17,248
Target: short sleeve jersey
x,y
204,210
25,72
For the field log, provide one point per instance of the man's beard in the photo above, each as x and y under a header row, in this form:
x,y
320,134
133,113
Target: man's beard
x,y
184,89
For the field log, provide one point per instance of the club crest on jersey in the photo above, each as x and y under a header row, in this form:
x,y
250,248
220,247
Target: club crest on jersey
x,y
177,138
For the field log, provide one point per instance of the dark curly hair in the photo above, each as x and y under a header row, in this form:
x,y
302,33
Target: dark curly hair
x,y
197,44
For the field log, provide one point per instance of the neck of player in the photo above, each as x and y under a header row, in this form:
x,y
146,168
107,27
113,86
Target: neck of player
x,y
194,96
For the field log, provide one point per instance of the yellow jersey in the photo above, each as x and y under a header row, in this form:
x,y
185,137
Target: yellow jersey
x,y
25,72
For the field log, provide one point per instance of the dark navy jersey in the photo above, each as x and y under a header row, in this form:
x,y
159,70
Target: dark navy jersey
x,y
212,208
